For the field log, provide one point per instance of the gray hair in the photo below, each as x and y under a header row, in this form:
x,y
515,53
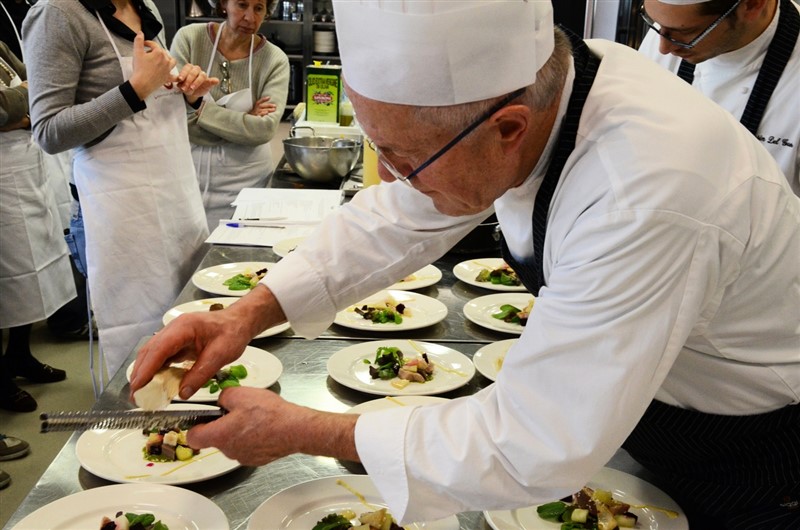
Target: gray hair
x,y
540,95
220,12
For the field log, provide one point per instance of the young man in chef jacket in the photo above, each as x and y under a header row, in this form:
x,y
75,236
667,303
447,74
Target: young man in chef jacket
x,y
666,279
721,47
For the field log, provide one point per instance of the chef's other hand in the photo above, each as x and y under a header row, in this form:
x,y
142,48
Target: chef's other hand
x,y
194,83
213,339
263,107
151,68
260,427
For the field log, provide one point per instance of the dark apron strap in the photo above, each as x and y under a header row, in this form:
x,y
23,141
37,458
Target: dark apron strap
x,y
531,272
778,55
725,470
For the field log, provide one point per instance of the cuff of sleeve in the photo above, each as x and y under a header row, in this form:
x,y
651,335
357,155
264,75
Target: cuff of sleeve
x,y
384,456
297,287
196,104
131,97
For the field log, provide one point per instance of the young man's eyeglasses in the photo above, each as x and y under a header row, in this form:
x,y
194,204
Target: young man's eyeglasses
x,y
471,127
658,28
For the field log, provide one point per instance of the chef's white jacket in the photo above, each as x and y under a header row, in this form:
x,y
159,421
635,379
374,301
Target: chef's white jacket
x,y
671,270
728,79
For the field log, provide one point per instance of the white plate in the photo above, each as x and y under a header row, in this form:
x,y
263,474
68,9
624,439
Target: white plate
x,y
624,487
116,455
453,369
284,246
389,402
425,311
299,507
263,371
211,280
481,309
178,508
489,358
466,271
201,306
425,277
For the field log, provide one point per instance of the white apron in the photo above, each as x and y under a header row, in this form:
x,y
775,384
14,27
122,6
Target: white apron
x,y
35,274
143,217
224,170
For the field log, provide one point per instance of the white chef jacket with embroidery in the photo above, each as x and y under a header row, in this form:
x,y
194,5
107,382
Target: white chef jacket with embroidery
x,y
671,271
728,79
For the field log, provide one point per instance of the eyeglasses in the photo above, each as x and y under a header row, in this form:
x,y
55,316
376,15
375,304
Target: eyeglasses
x,y
225,83
471,127
658,28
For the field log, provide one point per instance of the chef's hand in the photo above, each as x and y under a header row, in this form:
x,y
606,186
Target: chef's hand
x,y
213,339
263,107
260,427
194,83
151,68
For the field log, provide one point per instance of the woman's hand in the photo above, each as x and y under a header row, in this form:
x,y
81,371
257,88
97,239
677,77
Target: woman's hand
x,y
194,83
152,68
263,107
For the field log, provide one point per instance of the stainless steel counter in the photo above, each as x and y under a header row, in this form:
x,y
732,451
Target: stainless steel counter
x,y
304,381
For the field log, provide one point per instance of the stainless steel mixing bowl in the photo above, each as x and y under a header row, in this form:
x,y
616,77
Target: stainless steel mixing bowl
x,y
320,158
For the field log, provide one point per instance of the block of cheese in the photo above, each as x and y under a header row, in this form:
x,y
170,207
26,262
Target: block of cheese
x,y
158,393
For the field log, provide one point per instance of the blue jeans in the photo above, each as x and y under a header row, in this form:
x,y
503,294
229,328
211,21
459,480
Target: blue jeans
x,y
76,239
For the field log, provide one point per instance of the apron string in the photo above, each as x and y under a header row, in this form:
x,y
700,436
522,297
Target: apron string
x,y
250,60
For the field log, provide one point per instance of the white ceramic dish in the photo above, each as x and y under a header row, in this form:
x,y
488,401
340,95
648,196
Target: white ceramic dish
x,y
263,371
424,311
466,271
453,369
480,310
116,455
284,246
489,359
202,306
425,277
178,508
390,402
301,506
624,487
211,280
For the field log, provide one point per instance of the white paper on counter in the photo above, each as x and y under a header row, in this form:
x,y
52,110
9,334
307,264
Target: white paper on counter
x,y
256,236
290,205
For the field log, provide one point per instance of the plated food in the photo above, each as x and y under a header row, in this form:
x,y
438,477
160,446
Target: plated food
x,y
229,279
263,370
424,277
489,359
118,455
654,509
302,506
351,368
132,521
483,311
417,311
176,508
489,273
211,304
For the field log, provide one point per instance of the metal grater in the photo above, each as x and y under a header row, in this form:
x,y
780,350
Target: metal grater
x,y
126,419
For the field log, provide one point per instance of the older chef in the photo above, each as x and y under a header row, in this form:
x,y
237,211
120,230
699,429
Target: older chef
x,y
743,54
102,83
665,266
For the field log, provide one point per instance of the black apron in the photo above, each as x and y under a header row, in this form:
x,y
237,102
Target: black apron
x,y
778,54
726,472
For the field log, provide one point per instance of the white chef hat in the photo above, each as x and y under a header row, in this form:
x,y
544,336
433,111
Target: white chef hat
x,y
442,52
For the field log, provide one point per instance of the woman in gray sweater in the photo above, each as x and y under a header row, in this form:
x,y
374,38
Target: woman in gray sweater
x,y
231,131
102,83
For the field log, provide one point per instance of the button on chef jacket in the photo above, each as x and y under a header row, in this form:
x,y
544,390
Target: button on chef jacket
x,y
728,79
670,266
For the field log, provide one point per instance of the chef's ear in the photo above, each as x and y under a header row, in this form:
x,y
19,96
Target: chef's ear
x,y
512,123
751,10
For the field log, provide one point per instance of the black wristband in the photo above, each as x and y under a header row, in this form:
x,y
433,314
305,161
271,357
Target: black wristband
x,y
131,97
196,104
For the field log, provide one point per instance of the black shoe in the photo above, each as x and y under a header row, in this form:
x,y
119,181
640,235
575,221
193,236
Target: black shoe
x,y
5,479
18,401
37,372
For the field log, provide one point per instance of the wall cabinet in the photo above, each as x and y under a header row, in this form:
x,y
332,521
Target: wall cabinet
x,y
304,29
